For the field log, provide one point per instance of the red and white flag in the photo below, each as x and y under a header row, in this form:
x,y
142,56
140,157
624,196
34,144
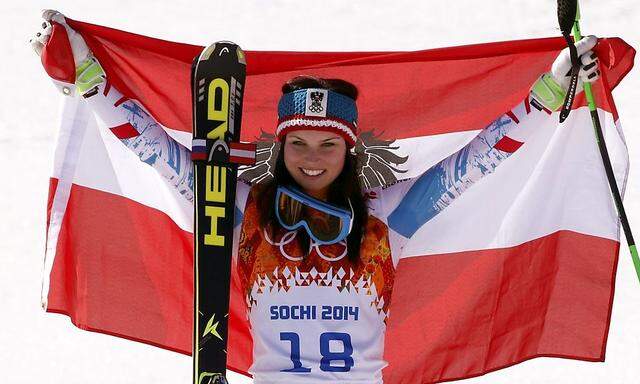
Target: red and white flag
x,y
520,266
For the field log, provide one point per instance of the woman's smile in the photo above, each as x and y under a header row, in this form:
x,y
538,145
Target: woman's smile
x,y
312,172
314,159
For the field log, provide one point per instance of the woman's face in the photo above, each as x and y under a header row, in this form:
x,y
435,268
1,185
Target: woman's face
x,y
314,159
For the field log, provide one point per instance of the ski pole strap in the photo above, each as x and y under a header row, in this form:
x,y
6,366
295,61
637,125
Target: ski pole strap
x,y
573,85
548,92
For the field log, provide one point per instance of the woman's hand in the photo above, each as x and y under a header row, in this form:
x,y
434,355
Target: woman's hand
x,y
551,88
60,48
589,71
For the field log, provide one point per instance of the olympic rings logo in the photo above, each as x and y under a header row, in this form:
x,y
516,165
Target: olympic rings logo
x,y
289,236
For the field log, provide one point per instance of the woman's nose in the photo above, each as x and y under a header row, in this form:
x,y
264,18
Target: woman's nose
x,y
312,154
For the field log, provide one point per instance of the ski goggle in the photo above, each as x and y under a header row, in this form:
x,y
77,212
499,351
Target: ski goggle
x,y
325,223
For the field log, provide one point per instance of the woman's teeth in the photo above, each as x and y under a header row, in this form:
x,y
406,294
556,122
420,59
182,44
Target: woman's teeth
x,y
312,172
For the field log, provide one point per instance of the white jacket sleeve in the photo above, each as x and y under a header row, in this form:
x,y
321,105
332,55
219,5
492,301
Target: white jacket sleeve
x,y
144,136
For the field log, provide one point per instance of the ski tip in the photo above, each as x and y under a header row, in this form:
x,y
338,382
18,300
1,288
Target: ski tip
x,y
206,53
241,57
221,48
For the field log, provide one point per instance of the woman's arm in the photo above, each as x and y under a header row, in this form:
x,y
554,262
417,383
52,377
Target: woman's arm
x,y
139,132
430,193
68,60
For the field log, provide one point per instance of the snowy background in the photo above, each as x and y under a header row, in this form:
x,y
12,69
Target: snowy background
x,y
47,348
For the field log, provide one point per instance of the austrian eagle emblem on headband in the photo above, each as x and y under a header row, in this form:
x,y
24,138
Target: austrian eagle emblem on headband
x,y
316,102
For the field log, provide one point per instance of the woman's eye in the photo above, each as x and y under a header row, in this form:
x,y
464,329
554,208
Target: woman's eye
x,y
328,144
297,142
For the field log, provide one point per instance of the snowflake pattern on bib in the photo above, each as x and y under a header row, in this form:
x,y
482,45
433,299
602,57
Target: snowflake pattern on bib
x,y
279,264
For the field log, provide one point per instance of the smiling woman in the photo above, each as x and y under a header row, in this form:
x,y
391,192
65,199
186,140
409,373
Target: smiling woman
x,y
318,299
314,159
315,153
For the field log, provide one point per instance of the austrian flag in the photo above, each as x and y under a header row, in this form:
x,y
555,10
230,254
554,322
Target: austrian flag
x,y
501,268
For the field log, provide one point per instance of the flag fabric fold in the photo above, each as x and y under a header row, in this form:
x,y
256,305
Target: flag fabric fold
x,y
521,265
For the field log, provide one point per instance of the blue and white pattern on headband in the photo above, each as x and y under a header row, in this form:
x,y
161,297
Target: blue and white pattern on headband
x,y
319,103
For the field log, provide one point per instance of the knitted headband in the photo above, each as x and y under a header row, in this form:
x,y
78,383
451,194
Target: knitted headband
x,y
318,109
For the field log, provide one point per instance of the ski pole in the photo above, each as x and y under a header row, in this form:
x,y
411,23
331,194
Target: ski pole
x,y
569,16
